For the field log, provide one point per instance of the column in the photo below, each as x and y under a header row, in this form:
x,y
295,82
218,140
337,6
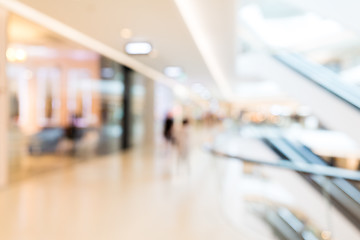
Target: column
x,y
4,105
127,126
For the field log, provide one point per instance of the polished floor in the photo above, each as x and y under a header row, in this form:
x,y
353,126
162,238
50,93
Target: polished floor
x,y
151,193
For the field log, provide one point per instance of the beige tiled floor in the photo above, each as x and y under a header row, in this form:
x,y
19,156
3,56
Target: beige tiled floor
x,y
145,194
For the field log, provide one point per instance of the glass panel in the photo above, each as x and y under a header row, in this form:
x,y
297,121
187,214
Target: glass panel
x,y
65,101
281,27
138,91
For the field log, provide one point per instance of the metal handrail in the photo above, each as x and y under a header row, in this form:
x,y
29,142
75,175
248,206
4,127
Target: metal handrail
x,y
303,167
322,76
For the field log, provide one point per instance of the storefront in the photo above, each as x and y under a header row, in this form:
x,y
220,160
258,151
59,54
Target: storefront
x,y
62,103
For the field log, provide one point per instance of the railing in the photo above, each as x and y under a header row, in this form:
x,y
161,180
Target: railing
x,y
330,180
302,167
284,222
321,76
345,195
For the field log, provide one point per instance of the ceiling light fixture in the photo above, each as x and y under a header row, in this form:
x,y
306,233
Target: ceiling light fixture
x,y
138,48
174,72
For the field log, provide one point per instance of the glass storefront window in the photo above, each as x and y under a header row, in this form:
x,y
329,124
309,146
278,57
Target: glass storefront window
x,y
65,101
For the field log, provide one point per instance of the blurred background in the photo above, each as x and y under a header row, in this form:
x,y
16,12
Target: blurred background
x,y
235,119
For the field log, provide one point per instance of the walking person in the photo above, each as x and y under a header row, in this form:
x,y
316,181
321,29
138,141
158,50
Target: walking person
x,y
169,129
183,144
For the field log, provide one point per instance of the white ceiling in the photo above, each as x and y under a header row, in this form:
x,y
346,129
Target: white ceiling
x,y
198,35
157,21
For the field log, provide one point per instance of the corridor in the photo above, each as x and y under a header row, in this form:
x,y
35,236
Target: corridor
x,y
151,194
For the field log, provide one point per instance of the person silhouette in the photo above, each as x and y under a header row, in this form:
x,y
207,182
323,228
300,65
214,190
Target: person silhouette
x,y
169,129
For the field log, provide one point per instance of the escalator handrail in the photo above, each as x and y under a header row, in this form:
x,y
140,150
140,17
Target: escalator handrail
x,y
340,182
321,76
297,166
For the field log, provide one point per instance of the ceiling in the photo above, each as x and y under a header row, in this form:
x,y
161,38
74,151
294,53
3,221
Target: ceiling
x,y
158,22
22,31
199,36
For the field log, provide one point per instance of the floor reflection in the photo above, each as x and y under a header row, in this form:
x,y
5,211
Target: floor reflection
x,y
151,193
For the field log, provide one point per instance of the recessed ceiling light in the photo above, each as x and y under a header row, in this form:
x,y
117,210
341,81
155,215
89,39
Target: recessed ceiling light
x,y
138,48
173,71
202,91
197,87
126,33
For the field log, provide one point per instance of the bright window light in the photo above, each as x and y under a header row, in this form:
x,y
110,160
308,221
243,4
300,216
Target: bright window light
x,y
303,31
181,91
138,48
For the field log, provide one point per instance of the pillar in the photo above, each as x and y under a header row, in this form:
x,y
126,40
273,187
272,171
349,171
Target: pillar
x,y
127,125
4,104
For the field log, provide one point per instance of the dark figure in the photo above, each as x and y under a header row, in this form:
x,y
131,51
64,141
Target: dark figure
x,y
71,131
168,128
72,134
183,139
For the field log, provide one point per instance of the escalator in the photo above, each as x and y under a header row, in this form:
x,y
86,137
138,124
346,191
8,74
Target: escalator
x,y
335,105
343,194
317,64
322,77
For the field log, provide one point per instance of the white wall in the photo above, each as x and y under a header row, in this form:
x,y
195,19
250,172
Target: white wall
x,y
4,105
345,11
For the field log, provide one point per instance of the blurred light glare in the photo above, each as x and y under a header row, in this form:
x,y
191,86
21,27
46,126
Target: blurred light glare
x,y
16,55
173,71
181,91
126,33
11,55
311,29
199,89
276,110
138,48
326,235
21,55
